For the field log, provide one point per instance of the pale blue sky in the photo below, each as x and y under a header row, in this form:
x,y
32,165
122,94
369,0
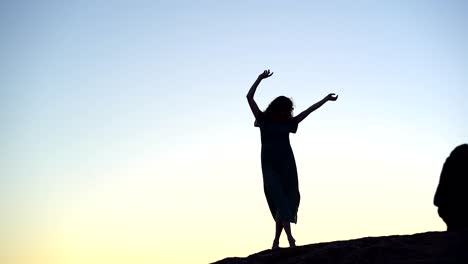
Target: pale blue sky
x,y
90,86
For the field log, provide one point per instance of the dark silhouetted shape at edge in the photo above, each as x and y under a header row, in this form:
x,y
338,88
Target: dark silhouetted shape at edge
x,y
451,196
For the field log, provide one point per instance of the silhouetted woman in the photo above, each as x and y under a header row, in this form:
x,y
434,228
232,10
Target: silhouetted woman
x,y
280,182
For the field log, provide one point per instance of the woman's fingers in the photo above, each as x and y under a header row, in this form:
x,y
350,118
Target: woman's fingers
x,y
266,73
332,97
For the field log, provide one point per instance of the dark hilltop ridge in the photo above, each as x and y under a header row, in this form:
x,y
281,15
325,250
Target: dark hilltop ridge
x,y
422,248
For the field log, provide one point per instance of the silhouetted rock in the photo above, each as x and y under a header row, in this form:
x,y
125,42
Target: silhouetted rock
x,y
452,192
424,248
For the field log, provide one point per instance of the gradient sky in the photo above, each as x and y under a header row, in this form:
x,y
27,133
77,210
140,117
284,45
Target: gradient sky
x,y
126,136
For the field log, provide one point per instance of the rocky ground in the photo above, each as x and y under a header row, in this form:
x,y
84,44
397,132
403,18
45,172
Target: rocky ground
x,y
423,248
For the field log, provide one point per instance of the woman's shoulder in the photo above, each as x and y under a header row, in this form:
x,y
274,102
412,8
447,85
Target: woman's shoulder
x,y
260,119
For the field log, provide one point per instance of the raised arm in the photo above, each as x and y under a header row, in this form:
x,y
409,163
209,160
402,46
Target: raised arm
x,y
305,113
250,95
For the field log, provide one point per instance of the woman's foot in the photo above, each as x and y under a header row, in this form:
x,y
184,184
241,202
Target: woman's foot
x,y
292,242
275,244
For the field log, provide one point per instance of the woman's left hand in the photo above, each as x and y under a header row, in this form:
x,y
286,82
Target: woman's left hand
x,y
265,74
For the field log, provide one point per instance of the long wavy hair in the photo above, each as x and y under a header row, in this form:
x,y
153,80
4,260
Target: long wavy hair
x,y
280,109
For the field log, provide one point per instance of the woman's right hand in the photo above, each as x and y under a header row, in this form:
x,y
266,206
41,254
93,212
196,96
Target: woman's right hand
x,y
265,74
332,97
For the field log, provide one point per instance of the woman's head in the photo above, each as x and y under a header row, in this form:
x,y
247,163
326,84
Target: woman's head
x,y
280,109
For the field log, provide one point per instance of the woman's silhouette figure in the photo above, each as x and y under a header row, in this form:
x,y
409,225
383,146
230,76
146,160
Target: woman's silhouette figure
x,y
279,170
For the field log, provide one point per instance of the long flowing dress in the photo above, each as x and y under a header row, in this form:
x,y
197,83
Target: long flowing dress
x,y
280,182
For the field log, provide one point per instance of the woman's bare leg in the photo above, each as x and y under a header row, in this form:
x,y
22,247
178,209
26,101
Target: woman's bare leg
x,y
287,229
279,229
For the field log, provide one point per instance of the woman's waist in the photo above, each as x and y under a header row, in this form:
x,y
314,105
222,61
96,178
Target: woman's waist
x,y
275,143
277,151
